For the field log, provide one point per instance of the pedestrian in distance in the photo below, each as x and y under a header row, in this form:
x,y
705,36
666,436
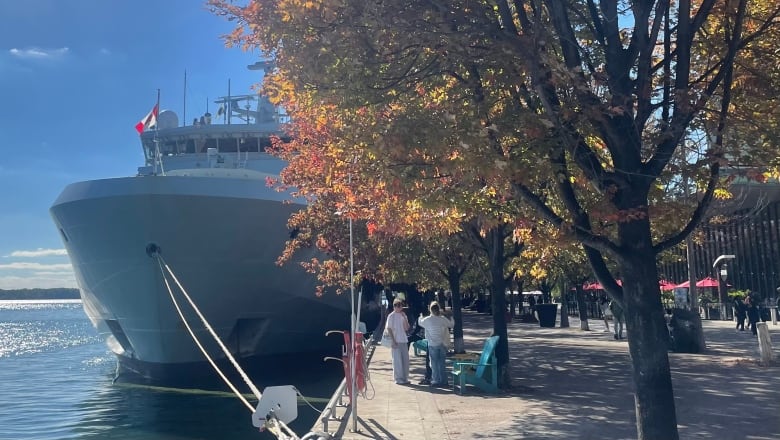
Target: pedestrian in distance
x,y
398,326
752,314
618,318
532,306
740,311
437,332
604,305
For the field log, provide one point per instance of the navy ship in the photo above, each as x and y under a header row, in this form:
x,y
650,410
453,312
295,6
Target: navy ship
x,y
201,201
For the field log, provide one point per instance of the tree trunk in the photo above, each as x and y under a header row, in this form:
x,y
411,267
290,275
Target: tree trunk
x,y
495,240
698,331
648,344
453,278
648,336
564,307
582,309
686,331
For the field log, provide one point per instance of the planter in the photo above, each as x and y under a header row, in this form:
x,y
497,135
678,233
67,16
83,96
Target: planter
x,y
547,314
714,313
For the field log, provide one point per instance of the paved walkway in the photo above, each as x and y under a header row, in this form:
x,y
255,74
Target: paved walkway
x,y
572,384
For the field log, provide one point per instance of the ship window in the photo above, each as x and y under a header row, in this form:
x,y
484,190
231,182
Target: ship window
x,y
64,235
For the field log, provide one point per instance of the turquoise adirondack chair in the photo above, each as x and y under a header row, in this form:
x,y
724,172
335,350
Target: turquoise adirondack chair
x,y
483,373
420,347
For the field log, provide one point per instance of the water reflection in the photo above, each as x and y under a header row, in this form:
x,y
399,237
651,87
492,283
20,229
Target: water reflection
x,y
128,411
56,377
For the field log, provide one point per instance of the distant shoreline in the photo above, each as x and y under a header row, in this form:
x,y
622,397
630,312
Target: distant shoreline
x,y
57,293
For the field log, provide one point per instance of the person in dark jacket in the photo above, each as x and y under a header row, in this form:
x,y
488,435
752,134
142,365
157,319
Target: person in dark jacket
x,y
740,311
417,334
752,314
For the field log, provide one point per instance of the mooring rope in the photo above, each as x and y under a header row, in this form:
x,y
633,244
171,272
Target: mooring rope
x,y
274,425
208,327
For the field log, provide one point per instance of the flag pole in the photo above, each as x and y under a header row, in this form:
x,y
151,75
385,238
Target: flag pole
x,y
158,158
184,112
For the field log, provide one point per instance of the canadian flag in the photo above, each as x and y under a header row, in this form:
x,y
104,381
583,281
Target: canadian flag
x,y
148,121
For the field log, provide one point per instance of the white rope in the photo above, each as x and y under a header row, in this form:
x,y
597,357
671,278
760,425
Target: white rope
x,y
249,383
225,350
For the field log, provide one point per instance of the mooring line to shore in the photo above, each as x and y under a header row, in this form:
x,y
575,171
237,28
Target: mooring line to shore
x,y
255,391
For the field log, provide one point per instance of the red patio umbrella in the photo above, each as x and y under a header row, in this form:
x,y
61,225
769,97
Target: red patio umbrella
x,y
706,282
684,285
666,285
597,286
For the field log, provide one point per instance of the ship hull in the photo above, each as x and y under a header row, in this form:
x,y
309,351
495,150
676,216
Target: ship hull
x,y
221,238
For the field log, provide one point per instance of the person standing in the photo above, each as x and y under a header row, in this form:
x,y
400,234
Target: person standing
x,y
752,314
437,332
532,306
604,304
415,336
618,318
740,312
398,326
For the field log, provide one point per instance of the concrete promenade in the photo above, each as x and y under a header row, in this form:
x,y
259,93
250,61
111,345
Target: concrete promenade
x,y
572,384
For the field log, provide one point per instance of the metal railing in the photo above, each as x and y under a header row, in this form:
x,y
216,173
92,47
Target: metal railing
x,y
330,413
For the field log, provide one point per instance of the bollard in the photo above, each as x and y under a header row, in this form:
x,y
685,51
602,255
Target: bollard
x,y
773,312
764,344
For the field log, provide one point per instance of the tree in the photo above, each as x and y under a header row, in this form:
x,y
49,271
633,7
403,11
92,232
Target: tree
x,y
452,257
582,107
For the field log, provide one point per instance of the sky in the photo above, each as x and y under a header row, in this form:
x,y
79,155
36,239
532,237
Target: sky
x,y
75,78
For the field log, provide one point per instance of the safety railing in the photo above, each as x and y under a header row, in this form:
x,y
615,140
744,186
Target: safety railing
x,y
330,413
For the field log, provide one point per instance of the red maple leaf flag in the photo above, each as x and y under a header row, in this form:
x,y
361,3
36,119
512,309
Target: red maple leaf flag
x,y
149,121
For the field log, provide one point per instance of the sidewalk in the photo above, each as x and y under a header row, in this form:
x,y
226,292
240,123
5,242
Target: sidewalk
x,y
571,384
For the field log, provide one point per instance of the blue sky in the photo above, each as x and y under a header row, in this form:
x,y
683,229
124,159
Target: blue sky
x,y
75,77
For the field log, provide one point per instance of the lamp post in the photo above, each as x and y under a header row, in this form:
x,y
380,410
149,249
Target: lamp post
x,y
722,274
350,348
353,326
722,289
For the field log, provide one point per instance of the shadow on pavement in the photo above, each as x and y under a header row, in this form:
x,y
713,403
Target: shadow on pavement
x,y
577,385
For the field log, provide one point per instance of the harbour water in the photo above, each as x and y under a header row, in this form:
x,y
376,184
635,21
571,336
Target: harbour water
x,y
56,383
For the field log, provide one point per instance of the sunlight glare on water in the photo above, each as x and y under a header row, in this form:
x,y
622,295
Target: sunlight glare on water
x,y
56,375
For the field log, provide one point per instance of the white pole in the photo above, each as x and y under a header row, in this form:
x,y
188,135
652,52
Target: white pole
x,y
184,111
764,344
353,361
229,109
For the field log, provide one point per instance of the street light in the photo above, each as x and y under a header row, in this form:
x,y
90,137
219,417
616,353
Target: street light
x,y
722,275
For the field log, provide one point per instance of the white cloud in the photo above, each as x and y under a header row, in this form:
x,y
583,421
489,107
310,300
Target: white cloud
x,y
36,266
37,282
38,53
49,271
40,252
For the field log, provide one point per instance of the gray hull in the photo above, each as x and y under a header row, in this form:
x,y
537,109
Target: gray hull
x,y
221,237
